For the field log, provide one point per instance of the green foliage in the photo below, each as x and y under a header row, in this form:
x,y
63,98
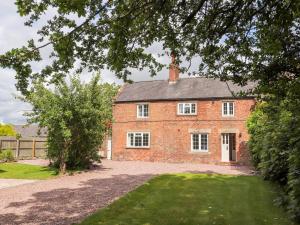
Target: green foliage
x,y
6,155
77,118
7,130
274,129
237,40
189,199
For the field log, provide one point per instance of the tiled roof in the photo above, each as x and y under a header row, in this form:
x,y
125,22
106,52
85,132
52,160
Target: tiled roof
x,y
30,131
183,89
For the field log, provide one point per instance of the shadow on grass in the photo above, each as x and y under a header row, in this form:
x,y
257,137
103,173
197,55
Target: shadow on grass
x,y
2,171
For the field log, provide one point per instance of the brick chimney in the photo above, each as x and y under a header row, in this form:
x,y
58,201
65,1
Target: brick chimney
x,y
173,70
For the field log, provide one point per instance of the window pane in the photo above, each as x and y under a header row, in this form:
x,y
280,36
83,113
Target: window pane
x,y
195,142
225,108
138,139
193,108
230,108
146,110
204,142
187,109
140,110
145,139
130,139
180,108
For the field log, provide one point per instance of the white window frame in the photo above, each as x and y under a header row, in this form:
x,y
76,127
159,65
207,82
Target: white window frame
x,y
190,106
227,105
128,145
199,135
143,106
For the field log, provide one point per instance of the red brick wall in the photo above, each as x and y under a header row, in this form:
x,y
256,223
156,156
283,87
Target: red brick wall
x,y
171,133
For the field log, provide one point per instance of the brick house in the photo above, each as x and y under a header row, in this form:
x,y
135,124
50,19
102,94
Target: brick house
x,y
181,120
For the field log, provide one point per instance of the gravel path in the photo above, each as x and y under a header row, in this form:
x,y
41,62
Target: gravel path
x,y
69,199
6,183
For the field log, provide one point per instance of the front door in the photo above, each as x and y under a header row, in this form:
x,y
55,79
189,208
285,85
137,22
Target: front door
x,y
225,147
228,147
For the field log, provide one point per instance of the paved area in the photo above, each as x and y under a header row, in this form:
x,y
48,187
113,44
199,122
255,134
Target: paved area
x,y
6,183
69,199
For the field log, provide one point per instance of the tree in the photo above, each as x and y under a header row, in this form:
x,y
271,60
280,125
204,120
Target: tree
x,y
76,117
7,130
239,40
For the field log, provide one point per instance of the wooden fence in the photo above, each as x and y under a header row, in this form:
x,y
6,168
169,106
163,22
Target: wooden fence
x,y
25,148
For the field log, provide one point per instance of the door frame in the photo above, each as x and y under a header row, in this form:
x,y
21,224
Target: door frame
x,y
109,149
230,139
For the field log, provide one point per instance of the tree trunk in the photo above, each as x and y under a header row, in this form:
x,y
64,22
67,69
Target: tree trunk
x,y
62,163
62,166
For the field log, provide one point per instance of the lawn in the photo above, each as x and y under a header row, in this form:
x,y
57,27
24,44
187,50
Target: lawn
x,y
195,199
24,171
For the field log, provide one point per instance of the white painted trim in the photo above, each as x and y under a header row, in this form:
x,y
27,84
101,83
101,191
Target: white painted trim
x,y
190,114
233,105
199,150
134,132
137,110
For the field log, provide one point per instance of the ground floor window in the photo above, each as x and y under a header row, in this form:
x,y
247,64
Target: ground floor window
x,y
199,142
138,139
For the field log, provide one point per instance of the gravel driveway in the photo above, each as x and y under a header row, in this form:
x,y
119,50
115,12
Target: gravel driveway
x,y
69,199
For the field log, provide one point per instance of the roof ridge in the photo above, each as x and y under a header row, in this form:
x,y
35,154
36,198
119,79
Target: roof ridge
x,y
200,77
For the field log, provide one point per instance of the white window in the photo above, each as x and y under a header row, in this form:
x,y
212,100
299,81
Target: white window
x,y
228,109
138,139
142,110
199,142
187,109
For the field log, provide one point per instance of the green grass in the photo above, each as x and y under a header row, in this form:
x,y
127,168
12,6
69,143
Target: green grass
x,y
195,199
24,171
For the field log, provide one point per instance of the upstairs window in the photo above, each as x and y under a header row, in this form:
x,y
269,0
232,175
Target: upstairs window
x,y
186,109
228,109
138,140
200,142
142,110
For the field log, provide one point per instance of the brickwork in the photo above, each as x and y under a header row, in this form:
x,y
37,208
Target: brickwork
x,y
171,133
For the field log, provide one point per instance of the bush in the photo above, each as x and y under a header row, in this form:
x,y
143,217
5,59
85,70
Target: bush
x,y
274,144
7,155
7,130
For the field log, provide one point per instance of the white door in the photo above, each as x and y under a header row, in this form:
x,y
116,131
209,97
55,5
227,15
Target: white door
x,y
108,149
225,147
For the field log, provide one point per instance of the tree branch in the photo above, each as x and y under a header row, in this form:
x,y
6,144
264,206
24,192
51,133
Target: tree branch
x,y
193,14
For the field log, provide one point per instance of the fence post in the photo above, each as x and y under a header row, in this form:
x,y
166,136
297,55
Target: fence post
x,y
0,144
18,148
33,148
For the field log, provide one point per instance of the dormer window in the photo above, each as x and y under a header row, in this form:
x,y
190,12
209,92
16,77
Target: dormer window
x,y
187,109
143,110
228,109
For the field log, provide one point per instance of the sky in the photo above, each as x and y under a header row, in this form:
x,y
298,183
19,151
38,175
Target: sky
x,y
14,34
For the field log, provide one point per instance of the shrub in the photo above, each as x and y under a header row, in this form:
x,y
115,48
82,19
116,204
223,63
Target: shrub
x,y
7,130
7,155
274,144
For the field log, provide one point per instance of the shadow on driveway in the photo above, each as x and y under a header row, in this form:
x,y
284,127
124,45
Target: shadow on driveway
x,y
67,206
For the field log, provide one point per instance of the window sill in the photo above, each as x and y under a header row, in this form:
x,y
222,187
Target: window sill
x,y
186,114
145,148
200,152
